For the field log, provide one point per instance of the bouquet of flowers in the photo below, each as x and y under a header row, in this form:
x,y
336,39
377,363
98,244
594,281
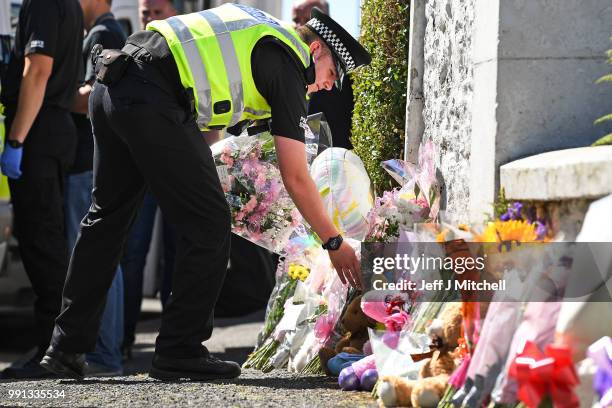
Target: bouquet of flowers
x,y
261,209
416,201
303,309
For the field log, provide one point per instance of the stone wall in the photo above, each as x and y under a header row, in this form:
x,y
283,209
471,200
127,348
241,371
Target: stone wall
x,y
447,91
506,79
561,184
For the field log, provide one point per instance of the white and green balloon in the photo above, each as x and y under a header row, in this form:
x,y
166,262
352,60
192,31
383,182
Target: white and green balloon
x,y
345,188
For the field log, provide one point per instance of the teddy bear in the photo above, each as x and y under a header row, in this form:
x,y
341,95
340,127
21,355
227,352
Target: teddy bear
x,y
435,372
356,324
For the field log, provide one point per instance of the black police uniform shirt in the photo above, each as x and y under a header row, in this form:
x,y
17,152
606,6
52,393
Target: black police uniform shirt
x,y
107,32
277,76
53,28
338,109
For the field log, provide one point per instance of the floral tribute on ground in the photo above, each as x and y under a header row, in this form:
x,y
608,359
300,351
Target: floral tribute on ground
x,y
407,348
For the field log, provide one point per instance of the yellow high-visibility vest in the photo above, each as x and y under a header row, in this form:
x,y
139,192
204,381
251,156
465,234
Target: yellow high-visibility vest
x,y
212,50
5,194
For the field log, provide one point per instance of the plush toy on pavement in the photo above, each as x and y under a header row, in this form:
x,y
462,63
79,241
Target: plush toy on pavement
x,y
427,391
356,323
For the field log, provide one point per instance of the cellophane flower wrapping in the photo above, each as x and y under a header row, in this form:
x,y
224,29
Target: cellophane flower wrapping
x,y
416,201
304,307
261,209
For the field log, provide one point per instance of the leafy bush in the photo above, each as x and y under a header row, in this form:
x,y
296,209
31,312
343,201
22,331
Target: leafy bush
x,y
380,88
607,139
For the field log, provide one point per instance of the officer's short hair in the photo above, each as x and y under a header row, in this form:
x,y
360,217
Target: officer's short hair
x,y
308,36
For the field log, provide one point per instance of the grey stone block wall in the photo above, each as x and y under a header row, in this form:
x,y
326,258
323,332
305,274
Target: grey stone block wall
x,y
447,89
506,79
550,55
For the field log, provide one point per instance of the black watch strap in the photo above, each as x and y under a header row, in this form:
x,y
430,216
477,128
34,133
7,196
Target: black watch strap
x,y
333,243
15,144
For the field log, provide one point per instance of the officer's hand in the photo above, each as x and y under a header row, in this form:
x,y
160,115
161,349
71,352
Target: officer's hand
x,y
11,161
347,265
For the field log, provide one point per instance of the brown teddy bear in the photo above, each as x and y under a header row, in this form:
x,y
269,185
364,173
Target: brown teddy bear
x,y
427,391
356,324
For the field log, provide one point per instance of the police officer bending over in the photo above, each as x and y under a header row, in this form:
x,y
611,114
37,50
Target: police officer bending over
x,y
186,74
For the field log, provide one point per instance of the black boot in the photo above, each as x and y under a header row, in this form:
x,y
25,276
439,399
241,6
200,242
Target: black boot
x,y
71,365
30,369
197,368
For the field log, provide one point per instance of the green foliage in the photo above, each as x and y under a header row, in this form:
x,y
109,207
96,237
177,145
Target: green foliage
x,y
380,88
607,139
501,204
604,141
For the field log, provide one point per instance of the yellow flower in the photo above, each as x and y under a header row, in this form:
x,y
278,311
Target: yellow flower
x,y
441,237
508,231
298,272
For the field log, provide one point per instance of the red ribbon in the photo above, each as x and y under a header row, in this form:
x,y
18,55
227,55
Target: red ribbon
x,y
549,373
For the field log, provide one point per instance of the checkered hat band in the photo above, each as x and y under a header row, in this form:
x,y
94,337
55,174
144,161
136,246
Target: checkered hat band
x,y
330,37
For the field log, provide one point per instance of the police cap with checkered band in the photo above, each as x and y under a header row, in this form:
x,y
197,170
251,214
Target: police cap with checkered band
x,y
348,53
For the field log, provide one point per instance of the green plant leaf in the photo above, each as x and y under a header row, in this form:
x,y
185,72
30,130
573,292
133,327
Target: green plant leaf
x,y
604,118
605,78
604,141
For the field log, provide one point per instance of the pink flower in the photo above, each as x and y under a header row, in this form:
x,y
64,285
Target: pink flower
x,y
227,159
256,218
296,217
323,328
377,310
250,206
396,321
260,181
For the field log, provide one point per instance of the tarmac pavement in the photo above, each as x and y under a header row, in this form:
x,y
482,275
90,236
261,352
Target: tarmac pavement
x,y
232,339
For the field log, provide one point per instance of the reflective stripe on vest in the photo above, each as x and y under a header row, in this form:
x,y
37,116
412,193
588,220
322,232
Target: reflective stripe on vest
x,y
212,50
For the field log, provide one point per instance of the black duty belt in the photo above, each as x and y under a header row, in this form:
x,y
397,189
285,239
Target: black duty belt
x,y
142,67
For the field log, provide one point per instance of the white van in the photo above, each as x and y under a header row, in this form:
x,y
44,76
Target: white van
x,y
126,12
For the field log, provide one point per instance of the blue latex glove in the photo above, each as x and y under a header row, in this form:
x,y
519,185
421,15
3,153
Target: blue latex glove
x,y
11,161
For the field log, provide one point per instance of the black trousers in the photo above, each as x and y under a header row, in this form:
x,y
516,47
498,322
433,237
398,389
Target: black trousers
x,y
145,136
38,208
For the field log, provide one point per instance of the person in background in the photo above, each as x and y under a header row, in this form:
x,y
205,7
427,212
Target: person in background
x,y
41,83
336,104
103,29
151,10
139,238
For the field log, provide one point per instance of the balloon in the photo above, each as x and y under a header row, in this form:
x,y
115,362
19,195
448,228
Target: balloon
x,y
345,189
368,379
347,380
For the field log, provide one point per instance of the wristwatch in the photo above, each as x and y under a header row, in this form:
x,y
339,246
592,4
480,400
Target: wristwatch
x,y
333,243
15,144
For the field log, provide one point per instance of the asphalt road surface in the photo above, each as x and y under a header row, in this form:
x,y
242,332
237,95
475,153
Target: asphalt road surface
x,y
232,339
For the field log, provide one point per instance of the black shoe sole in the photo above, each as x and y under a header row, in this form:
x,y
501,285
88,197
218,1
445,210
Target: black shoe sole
x,y
10,374
167,375
60,369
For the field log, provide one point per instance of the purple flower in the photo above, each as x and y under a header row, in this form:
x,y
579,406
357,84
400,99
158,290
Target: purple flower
x,y
541,229
514,212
